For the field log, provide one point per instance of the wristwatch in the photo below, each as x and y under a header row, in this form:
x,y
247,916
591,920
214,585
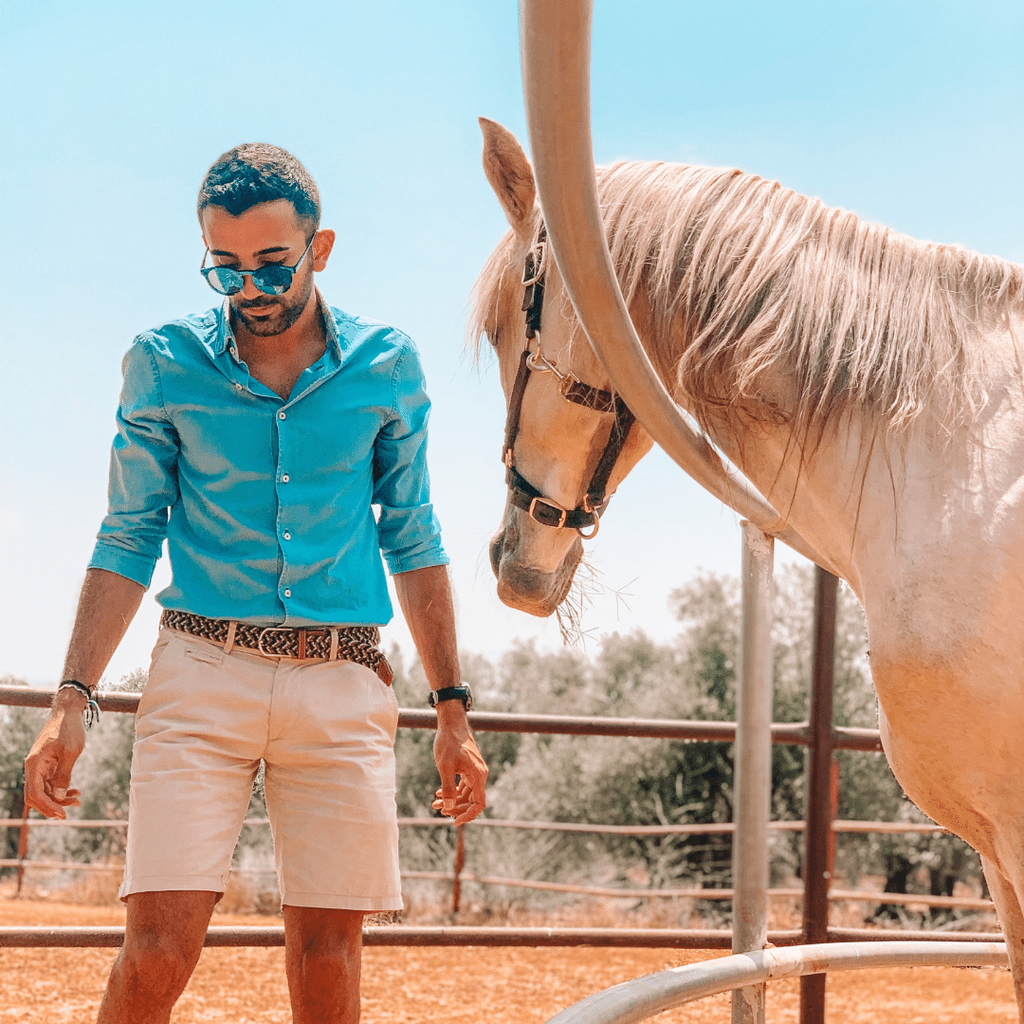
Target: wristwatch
x,y
463,693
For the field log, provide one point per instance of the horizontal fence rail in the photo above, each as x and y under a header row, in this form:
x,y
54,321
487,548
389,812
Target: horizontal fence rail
x,y
606,892
709,828
490,721
643,998
623,938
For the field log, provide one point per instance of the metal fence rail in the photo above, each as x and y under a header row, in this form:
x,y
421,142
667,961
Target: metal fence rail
x,y
797,733
604,892
710,828
643,998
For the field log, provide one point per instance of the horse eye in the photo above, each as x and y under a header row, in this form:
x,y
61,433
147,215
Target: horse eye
x,y
492,338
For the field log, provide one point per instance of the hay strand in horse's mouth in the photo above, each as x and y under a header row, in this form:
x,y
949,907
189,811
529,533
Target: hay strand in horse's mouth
x,y
586,586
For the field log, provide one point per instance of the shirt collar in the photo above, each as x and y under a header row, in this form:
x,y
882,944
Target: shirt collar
x,y
224,337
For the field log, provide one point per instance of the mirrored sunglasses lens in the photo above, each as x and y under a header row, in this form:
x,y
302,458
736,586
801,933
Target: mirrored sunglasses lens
x,y
225,280
274,280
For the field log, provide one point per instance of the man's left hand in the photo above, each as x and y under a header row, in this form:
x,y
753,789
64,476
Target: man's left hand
x,y
463,771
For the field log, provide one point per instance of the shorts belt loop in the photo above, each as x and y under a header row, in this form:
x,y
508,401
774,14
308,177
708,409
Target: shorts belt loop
x,y
333,656
230,642
302,644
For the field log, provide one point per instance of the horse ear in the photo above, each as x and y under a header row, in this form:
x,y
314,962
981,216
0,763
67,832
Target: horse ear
x,y
510,175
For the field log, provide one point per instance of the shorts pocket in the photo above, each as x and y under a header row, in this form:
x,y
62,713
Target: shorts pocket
x,y
205,655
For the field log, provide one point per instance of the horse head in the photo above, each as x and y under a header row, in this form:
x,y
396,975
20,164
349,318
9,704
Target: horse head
x,y
569,440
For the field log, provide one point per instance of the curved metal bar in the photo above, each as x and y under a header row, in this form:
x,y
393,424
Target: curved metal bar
x,y
555,41
643,998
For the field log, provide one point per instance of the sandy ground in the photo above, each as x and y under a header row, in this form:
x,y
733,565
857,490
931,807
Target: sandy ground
x,y
459,986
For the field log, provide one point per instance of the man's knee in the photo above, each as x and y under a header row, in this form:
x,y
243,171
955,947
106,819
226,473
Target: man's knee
x,y
322,943
337,963
157,963
164,938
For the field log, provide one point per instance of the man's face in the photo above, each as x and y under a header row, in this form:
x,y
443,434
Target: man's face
x,y
263,234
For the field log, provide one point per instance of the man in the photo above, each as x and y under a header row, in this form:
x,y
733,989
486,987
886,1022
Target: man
x,y
257,437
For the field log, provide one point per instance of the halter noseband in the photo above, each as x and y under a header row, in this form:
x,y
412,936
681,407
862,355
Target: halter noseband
x,y
522,493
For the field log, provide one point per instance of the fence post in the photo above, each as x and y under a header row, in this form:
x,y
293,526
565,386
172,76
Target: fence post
x,y
460,863
22,847
752,767
818,831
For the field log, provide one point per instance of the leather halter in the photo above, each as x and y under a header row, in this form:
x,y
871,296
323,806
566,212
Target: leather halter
x,y
522,493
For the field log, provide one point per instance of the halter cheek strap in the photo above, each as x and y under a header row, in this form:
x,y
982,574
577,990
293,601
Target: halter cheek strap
x,y
522,493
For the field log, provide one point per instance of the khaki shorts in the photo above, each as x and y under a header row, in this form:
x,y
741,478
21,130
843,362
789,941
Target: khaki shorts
x,y
325,731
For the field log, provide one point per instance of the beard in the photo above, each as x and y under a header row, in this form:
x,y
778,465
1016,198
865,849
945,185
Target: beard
x,y
279,314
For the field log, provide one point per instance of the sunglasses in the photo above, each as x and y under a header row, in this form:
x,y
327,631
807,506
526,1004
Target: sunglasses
x,y
273,279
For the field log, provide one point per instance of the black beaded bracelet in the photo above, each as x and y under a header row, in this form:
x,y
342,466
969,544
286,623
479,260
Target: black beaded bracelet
x,y
92,709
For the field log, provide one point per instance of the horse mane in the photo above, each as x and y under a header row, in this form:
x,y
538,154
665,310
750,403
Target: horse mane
x,y
741,277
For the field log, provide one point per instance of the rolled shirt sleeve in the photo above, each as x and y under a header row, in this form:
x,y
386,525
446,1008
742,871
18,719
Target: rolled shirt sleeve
x,y
408,531
143,474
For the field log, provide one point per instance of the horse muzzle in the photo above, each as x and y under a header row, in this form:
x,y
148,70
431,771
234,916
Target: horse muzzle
x,y
522,584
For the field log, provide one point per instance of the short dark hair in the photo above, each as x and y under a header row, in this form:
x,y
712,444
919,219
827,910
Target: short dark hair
x,y
257,172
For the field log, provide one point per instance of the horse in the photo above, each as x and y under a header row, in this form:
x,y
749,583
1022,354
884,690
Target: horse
x,y
871,386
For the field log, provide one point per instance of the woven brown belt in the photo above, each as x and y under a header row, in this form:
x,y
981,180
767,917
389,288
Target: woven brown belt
x,y
332,643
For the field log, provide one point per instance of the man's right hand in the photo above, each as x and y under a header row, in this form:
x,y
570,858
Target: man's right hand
x,y
53,755
107,604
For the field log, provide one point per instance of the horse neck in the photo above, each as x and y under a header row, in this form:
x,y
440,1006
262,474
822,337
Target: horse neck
x,y
830,488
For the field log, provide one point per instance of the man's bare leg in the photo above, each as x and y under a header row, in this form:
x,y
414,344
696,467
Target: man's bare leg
x,y
163,939
323,950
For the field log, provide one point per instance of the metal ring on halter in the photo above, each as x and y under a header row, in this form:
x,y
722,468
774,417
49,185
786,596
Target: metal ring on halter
x,y
593,532
537,362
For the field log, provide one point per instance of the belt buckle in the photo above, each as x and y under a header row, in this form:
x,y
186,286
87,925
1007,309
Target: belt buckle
x,y
271,629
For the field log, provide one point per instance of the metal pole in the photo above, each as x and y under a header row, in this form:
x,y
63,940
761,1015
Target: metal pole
x,y
752,770
833,800
22,847
460,863
817,835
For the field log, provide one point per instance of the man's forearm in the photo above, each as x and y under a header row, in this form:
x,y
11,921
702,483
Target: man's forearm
x,y
426,599
107,604
106,607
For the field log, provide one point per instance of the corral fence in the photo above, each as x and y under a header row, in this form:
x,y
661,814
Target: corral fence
x,y
750,891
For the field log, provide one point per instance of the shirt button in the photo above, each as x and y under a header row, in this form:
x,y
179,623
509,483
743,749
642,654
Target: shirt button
x,y
238,387
287,535
284,478
287,593
281,416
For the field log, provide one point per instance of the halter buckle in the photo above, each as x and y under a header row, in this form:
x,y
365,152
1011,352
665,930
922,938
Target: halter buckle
x,y
546,503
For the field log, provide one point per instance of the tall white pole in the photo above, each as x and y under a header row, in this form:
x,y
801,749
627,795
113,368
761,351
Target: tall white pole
x,y
752,767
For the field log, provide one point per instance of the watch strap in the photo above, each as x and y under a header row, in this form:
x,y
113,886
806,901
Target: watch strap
x,y
462,693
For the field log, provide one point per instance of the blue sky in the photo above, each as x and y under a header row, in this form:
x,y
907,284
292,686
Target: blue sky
x,y
908,113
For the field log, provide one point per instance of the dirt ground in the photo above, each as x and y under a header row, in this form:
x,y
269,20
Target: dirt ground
x,y
458,986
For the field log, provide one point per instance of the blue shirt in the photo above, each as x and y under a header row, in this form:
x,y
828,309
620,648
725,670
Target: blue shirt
x,y
266,502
